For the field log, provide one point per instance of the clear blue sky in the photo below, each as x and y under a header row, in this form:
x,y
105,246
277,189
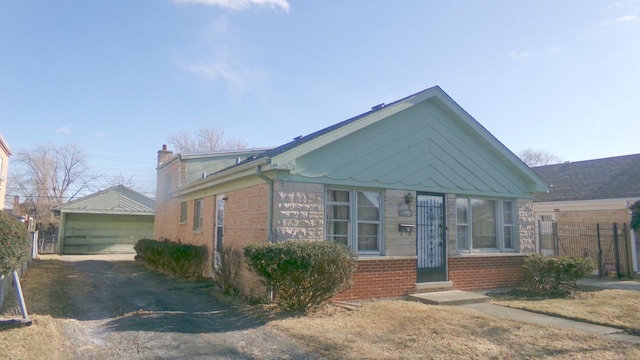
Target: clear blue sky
x,y
117,77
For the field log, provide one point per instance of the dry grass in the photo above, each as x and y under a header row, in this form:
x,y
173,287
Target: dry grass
x,y
407,330
45,303
616,308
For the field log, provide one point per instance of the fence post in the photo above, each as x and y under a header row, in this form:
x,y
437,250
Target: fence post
x,y
556,239
626,249
616,248
600,269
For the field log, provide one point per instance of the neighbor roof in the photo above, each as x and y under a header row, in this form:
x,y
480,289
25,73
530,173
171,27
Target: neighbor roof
x,y
115,200
609,178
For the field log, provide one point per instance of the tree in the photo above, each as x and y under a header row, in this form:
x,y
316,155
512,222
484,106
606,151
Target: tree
x,y
533,157
49,176
205,139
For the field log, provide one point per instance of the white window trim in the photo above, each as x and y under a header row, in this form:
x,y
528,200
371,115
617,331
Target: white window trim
x,y
352,229
499,223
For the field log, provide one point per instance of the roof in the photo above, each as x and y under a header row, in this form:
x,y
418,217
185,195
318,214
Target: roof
x,y
608,178
445,160
118,200
4,146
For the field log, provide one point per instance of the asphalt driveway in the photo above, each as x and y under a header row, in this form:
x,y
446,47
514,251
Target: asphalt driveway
x,y
124,311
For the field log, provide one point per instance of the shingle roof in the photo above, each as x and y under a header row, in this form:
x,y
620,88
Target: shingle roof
x,y
115,200
609,178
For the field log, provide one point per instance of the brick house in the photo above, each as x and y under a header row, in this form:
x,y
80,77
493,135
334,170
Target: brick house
x,y
5,152
424,194
590,191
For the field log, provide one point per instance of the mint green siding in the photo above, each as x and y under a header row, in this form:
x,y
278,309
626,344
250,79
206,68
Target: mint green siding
x,y
426,147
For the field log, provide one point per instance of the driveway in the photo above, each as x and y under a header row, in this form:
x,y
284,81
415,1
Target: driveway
x,y
121,310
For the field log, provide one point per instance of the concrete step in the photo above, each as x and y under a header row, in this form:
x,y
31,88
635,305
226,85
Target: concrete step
x,y
449,297
433,286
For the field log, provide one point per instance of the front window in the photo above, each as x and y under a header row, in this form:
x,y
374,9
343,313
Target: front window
x,y
197,214
485,224
353,218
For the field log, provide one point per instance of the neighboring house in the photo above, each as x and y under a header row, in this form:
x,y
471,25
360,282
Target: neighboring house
x,y
424,194
109,221
590,191
5,152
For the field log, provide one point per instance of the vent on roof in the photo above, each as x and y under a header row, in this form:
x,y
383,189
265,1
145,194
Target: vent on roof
x,y
378,107
204,175
297,137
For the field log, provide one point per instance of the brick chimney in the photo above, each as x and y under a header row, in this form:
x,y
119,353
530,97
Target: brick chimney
x,y
16,204
164,155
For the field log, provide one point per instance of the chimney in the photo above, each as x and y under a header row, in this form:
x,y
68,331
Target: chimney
x,y
164,155
16,204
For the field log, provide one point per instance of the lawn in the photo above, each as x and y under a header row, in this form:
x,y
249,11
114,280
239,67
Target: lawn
x,y
616,308
408,330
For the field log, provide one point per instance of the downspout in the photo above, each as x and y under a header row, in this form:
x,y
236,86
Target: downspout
x,y
270,208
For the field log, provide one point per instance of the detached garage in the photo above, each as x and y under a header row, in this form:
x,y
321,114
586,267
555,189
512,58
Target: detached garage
x,y
107,222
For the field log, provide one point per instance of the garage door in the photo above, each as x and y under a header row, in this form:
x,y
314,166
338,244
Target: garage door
x,y
104,234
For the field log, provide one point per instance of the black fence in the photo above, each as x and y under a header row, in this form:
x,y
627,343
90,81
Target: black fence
x,y
607,245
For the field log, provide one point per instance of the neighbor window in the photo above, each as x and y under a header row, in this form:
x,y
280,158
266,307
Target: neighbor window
x,y
353,218
183,212
485,224
197,214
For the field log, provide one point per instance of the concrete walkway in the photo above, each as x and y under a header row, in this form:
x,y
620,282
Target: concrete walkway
x,y
546,320
611,283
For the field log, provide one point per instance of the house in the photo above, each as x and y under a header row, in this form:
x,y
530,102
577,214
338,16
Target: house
x,y
591,191
5,152
109,221
424,194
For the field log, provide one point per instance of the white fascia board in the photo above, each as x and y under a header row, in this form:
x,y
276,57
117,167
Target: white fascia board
x,y
577,205
225,176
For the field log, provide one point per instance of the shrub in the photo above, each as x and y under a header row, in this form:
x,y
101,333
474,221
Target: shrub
x,y
182,260
302,274
226,268
14,243
555,274
635,216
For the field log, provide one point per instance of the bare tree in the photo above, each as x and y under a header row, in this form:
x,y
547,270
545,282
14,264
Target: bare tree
x,y
121,179
205,139
48,176
533,157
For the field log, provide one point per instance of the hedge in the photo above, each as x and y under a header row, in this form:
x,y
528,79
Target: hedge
x,y
182,260
14,243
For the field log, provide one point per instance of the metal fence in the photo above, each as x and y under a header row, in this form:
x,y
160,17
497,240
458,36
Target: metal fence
x,y
608,245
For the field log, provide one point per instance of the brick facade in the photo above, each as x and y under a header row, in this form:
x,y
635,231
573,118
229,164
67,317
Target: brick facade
x,y
381,278
608,216
477,272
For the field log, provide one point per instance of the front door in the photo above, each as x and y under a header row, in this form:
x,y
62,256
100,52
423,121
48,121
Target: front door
x,y
430,235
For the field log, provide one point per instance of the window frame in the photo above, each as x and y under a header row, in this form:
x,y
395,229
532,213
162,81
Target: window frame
x,y
183,212
198,209
353,221
500,224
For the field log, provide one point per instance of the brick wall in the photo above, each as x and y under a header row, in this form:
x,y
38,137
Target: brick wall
x,y
245,222
473,273
381,278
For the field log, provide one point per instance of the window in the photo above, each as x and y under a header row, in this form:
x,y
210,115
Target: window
x,y
342,207
485,224
197,214
183,212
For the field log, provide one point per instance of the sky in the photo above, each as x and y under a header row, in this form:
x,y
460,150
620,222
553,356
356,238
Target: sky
x,y
118,77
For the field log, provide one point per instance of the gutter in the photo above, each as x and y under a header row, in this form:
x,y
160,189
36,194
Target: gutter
x,y
270,202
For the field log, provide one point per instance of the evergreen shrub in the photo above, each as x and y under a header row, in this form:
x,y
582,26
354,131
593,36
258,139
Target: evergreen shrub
x,y
14,243
181,260
302,275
